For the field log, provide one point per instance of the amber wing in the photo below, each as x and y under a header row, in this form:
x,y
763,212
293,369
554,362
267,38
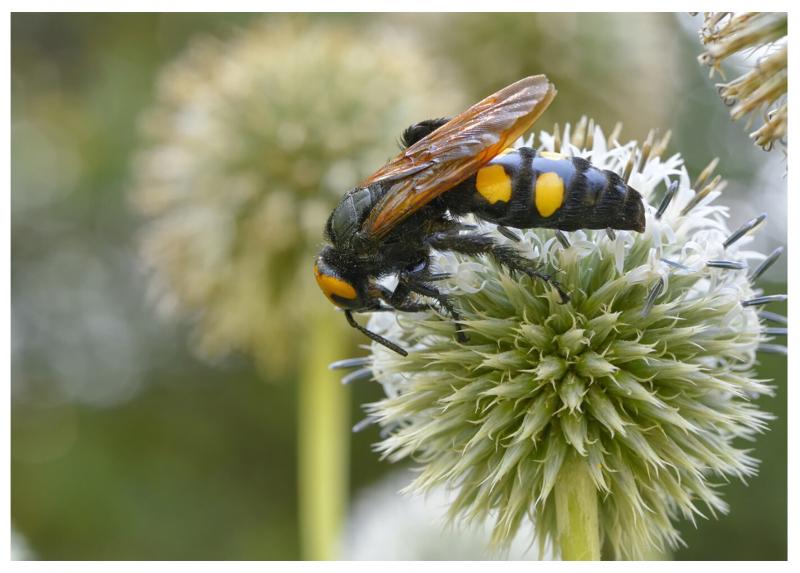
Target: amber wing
x,y
439,162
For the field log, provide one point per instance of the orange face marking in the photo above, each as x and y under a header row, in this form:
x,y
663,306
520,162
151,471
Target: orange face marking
x,y
331,285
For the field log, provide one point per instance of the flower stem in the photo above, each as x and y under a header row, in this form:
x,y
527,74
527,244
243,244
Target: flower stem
x,y
322,441
576,512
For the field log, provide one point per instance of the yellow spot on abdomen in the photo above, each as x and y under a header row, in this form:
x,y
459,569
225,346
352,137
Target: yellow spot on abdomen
x,y
331,285
549,193
493,184
551,155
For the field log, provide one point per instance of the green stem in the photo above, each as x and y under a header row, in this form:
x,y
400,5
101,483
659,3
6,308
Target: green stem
x,y
323,441
576,512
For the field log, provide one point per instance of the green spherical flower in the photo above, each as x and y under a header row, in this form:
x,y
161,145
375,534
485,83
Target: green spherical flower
x,y
248,146
643,382
759,41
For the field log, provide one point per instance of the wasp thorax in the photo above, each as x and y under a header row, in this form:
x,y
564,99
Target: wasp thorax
x,y
346,218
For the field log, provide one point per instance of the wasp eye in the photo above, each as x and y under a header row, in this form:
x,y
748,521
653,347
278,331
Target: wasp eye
x,y
335,288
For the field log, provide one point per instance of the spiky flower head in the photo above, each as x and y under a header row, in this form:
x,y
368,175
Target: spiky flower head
x,y
644,379
248,146
756,45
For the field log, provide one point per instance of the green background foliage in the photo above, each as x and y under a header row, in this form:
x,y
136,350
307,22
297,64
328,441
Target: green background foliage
x,y
125,445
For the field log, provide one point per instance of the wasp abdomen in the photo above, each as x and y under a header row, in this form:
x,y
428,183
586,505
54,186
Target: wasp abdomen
x,y
522,189
599,199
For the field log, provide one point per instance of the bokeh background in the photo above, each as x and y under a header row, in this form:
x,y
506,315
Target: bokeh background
x,y
170,178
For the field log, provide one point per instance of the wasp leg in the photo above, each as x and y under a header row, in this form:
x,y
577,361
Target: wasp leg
x,y
444,301
478,244
433,277
410,306
399,301
373,336
413,282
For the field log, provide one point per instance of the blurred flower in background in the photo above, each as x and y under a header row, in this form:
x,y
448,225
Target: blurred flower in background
x,y
609,66
79,334
19,547
755,47
387,524
249,145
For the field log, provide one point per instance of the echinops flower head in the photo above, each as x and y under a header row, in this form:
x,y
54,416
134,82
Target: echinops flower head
x,y
755,45
644,379
248,146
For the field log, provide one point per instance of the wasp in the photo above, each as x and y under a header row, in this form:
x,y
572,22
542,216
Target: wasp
x,y
449,168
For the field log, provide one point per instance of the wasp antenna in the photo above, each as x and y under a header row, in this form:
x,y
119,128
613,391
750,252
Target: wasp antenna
x,y
671,190
590,134
744,229
766,263
376,337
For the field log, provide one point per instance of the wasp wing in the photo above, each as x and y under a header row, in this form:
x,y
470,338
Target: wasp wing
x,y
456,150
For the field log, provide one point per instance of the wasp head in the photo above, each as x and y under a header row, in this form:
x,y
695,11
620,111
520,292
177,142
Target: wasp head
x,y
342,282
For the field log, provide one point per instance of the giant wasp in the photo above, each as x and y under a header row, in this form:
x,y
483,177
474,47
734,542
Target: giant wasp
x,y
389,223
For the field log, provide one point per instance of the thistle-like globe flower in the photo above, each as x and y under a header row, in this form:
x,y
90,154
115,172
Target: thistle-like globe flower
x,y
247,148
756,45
632,396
